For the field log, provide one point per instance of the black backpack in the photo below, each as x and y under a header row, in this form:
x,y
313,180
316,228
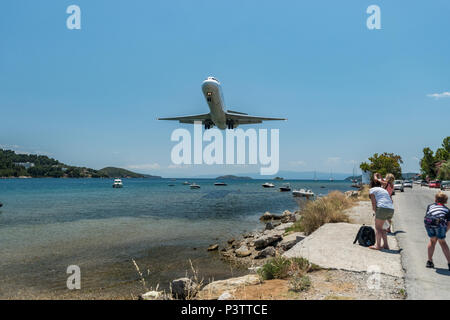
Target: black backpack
x,y
365,236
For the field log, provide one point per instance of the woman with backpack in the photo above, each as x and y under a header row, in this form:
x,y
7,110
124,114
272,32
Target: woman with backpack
x,y
388,184
437,223
384,210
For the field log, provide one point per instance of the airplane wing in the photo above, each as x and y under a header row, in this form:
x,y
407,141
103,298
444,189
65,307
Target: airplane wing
x,y
190,119
242,118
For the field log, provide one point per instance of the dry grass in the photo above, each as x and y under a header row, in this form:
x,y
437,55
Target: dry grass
x,y
328,209
364,193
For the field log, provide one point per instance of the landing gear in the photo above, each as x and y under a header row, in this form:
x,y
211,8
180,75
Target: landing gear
x,y
230,124
208,125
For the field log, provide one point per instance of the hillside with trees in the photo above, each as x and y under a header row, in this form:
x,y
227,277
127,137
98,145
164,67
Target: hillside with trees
x,y
38,166
436,165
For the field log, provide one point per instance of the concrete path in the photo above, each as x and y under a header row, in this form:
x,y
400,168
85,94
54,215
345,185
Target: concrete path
x,y
331,246
421,283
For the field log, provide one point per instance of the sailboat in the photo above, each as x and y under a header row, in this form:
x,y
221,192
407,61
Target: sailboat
x,y
315,175
331,176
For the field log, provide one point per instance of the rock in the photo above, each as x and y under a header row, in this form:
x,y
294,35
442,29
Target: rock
x,y
288,216
184,288
352,194
226,296
273,232
269,226
266,216
331,246
266,240
267,252
152,295
284,226
243,251
291,240
230,241
215,289
213,247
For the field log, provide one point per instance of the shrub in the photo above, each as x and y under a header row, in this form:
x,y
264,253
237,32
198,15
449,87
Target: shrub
x,y
300,283
282,268
328,209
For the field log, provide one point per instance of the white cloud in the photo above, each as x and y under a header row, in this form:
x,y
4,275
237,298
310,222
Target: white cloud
x,y
445,94
147,166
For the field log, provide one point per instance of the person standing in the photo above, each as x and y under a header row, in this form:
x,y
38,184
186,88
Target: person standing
x,y
437,224
384,210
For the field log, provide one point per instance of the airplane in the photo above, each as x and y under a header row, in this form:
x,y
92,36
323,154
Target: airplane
x,y
218,116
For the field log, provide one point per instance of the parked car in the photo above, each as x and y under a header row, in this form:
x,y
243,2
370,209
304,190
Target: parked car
x,y
424,183
407,184
445,185
418,181
434,184
398,185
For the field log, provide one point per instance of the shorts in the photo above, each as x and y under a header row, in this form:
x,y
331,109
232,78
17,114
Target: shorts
x,y
436,232
384,213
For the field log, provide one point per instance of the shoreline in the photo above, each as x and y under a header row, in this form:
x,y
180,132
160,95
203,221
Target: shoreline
x,y
333,280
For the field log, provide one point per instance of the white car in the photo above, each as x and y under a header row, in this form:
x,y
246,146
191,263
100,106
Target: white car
x,y
398,185
407,184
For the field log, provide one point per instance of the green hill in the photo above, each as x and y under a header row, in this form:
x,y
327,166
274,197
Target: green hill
x,y
36,166
113,172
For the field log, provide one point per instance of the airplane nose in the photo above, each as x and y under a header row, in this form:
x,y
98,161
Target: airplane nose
x,y
209,86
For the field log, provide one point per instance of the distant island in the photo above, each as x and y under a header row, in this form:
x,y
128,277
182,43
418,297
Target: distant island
x,y
357,178
37,166
113,172
231,177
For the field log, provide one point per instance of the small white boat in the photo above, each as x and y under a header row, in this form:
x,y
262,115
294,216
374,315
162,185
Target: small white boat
x,y
195,186
117,183
268,185
303,193
220,184
285,187
186,183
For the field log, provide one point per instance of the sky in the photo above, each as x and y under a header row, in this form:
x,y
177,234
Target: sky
x,y
91,97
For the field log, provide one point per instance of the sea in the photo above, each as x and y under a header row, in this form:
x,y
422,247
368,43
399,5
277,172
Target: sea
x,y
159,225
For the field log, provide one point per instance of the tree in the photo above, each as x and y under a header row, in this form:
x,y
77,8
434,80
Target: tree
x,y
427,164
444,171
431,164
384,164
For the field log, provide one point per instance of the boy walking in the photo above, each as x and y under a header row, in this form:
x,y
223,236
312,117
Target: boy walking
x,y
437,223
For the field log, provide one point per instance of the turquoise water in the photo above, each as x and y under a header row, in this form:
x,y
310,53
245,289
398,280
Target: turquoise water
x,y
49,224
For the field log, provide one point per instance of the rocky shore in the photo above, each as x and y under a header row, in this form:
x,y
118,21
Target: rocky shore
x,y
343,268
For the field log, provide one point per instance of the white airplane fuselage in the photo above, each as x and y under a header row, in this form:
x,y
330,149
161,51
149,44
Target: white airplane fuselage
x,y
214,98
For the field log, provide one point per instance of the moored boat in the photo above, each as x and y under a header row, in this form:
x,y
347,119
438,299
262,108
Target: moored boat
x,y
117,183
303,193
285,187
268,185
195,186
220,184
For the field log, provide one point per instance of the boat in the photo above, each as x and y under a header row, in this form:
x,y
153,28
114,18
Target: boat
x,y
186,183
268,185
171,185
303,193
117,183
195,186
220,184
1,204
285,187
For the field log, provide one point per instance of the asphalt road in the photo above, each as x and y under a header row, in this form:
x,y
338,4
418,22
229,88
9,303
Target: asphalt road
x,y
421,282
